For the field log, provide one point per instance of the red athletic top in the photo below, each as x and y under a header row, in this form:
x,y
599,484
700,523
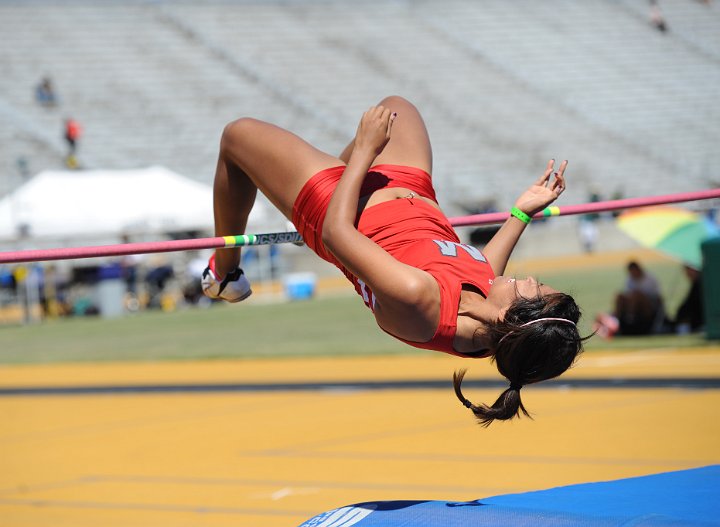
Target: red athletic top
x,y
411,230
417,234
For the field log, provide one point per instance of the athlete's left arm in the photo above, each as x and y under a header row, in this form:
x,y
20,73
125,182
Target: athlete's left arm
x,y
541,194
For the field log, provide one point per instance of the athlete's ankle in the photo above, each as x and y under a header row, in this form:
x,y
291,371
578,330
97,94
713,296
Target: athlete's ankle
x,y
222,264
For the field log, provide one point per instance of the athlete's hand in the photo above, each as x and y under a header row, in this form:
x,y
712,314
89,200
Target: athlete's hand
x,y
543,192
373,132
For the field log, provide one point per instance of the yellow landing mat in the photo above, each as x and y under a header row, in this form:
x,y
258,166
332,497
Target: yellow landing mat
x,y
277,459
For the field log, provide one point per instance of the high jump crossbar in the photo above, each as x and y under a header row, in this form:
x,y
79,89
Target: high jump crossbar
x,y
245,240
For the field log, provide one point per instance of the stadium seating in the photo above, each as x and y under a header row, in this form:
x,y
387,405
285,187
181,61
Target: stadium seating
x,y
503,85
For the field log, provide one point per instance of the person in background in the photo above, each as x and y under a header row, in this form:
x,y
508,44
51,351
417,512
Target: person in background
x,y
657,19
45,93
690,315
73,131
639,307
588,226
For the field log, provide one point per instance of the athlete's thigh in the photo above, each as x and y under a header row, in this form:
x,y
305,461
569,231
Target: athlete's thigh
x,y
409,143
276,160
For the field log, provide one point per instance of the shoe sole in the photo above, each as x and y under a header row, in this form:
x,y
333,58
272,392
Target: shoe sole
x,y
238,299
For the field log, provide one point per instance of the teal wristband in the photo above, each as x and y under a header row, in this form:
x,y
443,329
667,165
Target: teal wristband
x,y
520,215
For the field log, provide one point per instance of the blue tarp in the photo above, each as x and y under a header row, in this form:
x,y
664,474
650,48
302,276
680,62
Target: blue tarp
x,y
688,498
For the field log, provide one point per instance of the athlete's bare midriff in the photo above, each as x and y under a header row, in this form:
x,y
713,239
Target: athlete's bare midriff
x,y
388,194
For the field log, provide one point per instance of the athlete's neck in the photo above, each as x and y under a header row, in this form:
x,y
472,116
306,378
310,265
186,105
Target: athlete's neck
x,y
474,316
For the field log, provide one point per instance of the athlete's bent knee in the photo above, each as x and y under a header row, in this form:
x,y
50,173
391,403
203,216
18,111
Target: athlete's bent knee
x,y
395,100
235,131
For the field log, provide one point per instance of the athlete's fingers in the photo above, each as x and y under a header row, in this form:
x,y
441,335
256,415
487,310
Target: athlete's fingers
x,y
390,120
562,168
546,175
369,113
559,183
560,175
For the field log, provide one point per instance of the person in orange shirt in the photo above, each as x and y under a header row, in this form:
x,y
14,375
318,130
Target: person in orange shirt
x,y
72,135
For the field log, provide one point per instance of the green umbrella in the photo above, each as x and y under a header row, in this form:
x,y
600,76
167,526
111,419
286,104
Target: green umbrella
x,y
674,231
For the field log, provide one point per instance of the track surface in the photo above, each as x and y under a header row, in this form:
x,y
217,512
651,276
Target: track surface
x,y
277,457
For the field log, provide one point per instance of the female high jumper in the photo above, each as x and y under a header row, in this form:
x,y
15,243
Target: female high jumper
x,y
372,212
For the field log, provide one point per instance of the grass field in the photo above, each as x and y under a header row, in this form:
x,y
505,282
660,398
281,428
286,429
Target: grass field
x,y
328,325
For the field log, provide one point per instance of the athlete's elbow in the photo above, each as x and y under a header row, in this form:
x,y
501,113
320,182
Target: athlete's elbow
x,y
332,234
415,291
328,234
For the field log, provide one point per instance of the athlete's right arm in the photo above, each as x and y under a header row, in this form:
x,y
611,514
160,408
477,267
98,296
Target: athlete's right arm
x,y
404,294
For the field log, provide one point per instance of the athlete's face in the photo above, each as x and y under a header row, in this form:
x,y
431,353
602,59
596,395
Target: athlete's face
x,y
505,290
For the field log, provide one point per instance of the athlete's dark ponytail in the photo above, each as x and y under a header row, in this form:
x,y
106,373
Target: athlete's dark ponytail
x,y
507,406
537,339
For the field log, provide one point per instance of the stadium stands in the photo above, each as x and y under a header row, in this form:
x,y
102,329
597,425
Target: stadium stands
x,y
503,85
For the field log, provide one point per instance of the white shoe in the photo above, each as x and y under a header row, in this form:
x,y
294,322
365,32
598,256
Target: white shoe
x,y
233,288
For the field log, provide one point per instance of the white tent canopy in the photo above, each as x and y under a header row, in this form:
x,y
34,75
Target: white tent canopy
x,y
77,204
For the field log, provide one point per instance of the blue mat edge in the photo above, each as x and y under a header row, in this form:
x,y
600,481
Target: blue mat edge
x,y
689,497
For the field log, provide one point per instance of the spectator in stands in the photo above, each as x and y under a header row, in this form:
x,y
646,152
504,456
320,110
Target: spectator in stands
x,y
156,279
72,136
23,167
691,315
45,93
191,284
617,195
588,226
656,17
7,279
373,213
